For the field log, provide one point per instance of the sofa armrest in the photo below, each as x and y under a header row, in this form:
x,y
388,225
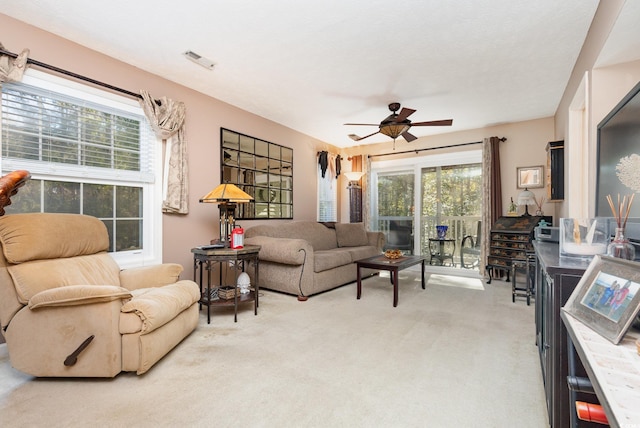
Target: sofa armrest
x,y
376,239
150,276
73,295
282,250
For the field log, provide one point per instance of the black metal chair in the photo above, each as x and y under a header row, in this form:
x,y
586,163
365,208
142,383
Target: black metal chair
x,y
470,249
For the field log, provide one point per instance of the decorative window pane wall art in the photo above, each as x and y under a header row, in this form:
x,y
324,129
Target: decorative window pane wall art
x,y
263,170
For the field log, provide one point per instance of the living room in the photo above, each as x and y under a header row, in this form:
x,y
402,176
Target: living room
x,y
525,145
592,91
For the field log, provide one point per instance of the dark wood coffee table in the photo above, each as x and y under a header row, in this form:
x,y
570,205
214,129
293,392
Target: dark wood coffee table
x,y
393,266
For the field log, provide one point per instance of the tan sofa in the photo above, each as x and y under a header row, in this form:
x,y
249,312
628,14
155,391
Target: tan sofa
x,y
66,308
304,258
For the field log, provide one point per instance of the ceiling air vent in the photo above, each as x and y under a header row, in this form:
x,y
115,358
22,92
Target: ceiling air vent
x,y
200,60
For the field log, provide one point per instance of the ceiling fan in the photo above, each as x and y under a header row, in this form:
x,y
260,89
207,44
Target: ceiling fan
x,y
397,124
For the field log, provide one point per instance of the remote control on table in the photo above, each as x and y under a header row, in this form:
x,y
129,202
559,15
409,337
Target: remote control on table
x,y
211,247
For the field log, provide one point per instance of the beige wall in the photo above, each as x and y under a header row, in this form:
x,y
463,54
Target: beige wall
x,y
609,86
205,116
603,88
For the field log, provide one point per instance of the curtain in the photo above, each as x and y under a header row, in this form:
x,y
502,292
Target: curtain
x,y
12,69
366,203
492,188
167,120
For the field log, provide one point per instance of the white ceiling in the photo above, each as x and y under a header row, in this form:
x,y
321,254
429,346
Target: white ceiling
x,y
314,65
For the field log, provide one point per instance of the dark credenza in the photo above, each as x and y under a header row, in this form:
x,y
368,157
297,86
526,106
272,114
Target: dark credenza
x,y
555,280
511,241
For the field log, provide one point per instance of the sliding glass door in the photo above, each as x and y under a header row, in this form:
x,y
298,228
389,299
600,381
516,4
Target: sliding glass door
x,y
396,209
452,197
409,198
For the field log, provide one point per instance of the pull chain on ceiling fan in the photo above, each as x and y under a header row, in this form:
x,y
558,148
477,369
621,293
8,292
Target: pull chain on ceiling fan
x,y
397,124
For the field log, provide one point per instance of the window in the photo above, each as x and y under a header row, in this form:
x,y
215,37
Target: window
x,y
327,197
261,169
89,152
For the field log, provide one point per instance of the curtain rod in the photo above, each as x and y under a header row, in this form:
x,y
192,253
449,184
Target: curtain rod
x,y
72,74
431,148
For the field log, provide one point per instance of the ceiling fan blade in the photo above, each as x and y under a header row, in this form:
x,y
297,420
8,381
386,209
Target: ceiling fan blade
x,y
362,124
446,122
409,137
404,113
354,137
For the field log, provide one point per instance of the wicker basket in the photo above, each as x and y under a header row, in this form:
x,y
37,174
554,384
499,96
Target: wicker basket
x,y
227,292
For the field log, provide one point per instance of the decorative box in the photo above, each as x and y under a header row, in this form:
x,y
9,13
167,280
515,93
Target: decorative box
x,y
227,292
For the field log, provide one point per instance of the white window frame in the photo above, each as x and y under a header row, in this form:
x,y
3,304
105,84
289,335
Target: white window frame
x,y
151,252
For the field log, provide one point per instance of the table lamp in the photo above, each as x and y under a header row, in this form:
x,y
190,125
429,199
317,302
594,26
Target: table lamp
x,y
526,198
227,196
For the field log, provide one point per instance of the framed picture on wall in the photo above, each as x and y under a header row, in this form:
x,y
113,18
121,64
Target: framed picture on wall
x,y
530,177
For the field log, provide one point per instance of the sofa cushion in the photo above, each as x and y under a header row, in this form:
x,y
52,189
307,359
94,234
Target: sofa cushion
x,y
358,253
317,235
31,278
329,259
351,235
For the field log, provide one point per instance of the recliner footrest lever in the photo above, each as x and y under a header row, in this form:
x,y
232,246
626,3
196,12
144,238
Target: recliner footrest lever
x,y
73,357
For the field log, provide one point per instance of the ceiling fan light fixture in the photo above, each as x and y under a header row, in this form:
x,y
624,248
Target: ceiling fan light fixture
x,y
394,130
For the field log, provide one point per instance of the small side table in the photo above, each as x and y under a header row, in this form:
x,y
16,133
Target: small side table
x,y
441,250
208,259
527,267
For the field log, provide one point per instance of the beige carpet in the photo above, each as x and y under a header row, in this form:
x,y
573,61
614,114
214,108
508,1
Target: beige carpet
x,y
458,354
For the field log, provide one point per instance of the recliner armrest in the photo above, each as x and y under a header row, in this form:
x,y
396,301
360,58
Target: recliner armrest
x,y
159,305
73,295
150,276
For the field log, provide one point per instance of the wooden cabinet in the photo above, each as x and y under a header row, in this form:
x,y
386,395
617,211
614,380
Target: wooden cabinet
x,y
555,171
511,239
555,280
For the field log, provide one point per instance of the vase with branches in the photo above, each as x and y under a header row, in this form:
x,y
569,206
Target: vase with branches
x,y
620,246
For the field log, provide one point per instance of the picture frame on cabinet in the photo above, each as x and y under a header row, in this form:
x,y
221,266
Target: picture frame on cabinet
x,y
607,298
530,177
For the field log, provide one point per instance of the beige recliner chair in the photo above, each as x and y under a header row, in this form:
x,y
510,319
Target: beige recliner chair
x,y
66,308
